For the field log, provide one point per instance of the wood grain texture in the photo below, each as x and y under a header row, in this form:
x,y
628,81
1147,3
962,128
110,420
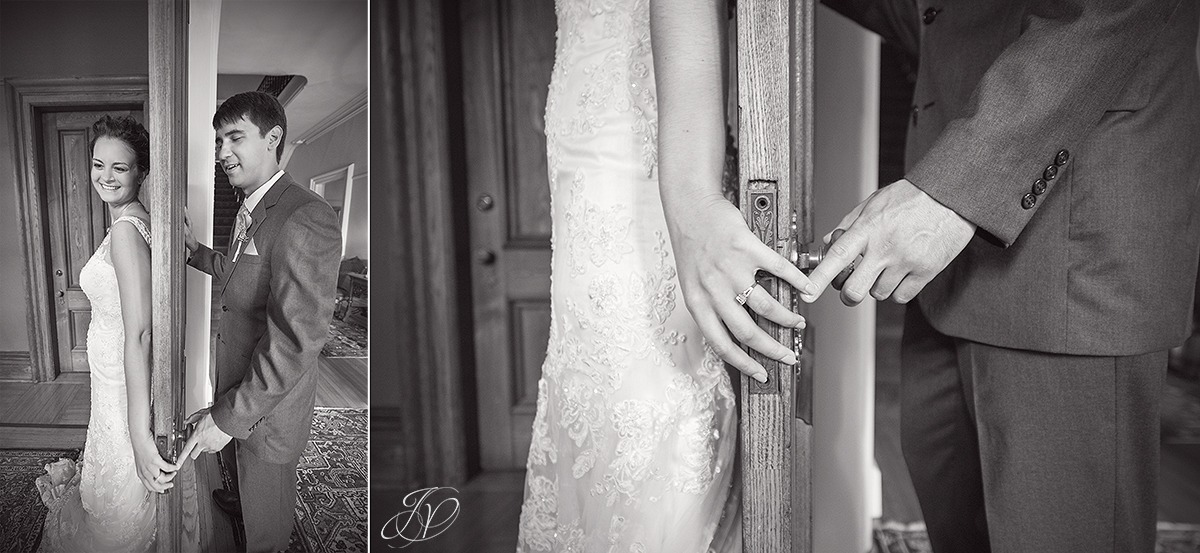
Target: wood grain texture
x,y
508,56
167,118
16,366
801,98
483,63
420,305
31,97
216,529
774,43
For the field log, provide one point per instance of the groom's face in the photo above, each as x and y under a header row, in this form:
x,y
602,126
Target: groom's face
x,y
246,153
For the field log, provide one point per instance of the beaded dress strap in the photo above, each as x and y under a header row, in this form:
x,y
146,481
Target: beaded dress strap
x,y
139,224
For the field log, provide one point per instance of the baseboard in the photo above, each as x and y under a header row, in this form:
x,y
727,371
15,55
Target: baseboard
x,y
42,437
16,365
387,450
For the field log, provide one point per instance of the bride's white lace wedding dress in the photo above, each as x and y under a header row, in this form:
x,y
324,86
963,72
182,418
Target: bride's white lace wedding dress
x,y
635,433
101,505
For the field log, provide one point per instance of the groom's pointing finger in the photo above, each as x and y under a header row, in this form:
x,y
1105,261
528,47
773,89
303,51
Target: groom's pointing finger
x,y
187,449
841,254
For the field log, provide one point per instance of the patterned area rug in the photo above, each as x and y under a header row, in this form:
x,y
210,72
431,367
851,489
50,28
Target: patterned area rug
x,y
345,340
1180,410
331,516
21,509
893,537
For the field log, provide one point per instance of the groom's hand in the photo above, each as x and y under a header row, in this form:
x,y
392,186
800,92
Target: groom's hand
x,y
904,237
189,241
205,438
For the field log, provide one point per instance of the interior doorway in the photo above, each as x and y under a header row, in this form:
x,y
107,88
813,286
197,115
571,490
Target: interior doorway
x,y
76,222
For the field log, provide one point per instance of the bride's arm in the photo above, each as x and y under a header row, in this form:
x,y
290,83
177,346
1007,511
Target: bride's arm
x,y
131,259
715,253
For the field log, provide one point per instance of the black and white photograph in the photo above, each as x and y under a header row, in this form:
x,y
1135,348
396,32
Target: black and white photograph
x,y
183,352
839,276
651,276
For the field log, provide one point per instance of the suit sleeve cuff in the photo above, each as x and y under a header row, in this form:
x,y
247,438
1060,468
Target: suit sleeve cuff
x,y
223,417
998,191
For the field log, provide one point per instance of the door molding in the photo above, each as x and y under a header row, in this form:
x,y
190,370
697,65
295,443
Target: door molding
x,y
419,380
28,99
167,120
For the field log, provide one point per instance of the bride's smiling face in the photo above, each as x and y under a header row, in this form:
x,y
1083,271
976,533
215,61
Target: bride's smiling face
x,y
115,174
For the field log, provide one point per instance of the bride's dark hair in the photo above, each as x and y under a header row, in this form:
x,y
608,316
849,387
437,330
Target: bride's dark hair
x,y
127,130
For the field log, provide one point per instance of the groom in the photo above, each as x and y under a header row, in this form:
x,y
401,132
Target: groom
x,y
1048,218
278,284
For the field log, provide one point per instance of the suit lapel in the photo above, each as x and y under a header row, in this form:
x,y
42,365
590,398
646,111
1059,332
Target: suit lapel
x,y
257,216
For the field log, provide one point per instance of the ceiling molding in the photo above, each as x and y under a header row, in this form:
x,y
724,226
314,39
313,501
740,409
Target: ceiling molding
x,y
355,106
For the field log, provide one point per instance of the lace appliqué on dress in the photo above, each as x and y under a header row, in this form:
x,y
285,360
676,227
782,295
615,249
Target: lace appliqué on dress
x,y
101,505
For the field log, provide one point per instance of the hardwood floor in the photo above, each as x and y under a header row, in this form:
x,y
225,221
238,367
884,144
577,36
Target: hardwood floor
x,y
28,410
54,415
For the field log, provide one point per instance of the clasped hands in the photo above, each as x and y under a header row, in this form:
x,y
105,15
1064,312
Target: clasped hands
x,y
156,473
895,241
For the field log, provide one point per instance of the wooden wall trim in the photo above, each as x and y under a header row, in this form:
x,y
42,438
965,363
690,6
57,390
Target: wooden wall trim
x,y
16,365
168,123
27,98
423,433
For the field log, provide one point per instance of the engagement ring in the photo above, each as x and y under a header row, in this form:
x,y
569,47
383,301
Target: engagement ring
x,y
745,294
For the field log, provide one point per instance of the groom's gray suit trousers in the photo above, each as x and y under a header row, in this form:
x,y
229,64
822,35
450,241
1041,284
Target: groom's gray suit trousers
x,y
1014,451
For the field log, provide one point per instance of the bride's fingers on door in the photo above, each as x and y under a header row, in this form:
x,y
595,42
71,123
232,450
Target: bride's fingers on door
x,y
761,302
770,261
747,333
719,341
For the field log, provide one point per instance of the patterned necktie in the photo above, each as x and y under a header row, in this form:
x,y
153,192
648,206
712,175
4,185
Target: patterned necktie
x,y
240,228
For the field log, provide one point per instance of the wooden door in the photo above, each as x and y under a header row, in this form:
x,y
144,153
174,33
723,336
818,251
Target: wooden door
x,y
182,512
775,99
508,55
76,221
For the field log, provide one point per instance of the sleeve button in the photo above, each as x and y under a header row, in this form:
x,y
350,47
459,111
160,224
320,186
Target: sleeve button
x,y
1028,201
1039,187
930,15
1050,172
1062,157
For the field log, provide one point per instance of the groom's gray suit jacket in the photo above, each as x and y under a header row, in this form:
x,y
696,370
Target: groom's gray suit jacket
x,y
275,313
1069,132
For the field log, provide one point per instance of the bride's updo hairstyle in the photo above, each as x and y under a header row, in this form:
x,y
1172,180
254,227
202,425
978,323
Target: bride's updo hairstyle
x,y
127,130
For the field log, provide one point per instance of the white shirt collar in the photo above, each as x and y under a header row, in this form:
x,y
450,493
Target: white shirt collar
x,y
252,200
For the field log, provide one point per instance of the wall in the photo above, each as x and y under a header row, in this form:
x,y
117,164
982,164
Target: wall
x,y
53,39
846,483
337,148
203,41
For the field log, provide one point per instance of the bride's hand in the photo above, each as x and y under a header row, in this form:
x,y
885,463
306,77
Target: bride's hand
x,y
717,257
154,471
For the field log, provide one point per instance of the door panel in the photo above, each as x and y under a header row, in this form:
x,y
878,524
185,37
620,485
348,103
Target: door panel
x,y
508,55
775,108
76,222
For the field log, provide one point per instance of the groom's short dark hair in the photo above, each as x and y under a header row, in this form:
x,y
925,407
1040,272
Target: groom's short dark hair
x,y
260,108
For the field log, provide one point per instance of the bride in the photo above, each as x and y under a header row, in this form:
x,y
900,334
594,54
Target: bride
x,y
634,439
106,503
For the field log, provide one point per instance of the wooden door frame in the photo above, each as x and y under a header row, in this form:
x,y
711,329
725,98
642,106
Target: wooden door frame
x,y
167,121
28,99
775,99
420,433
